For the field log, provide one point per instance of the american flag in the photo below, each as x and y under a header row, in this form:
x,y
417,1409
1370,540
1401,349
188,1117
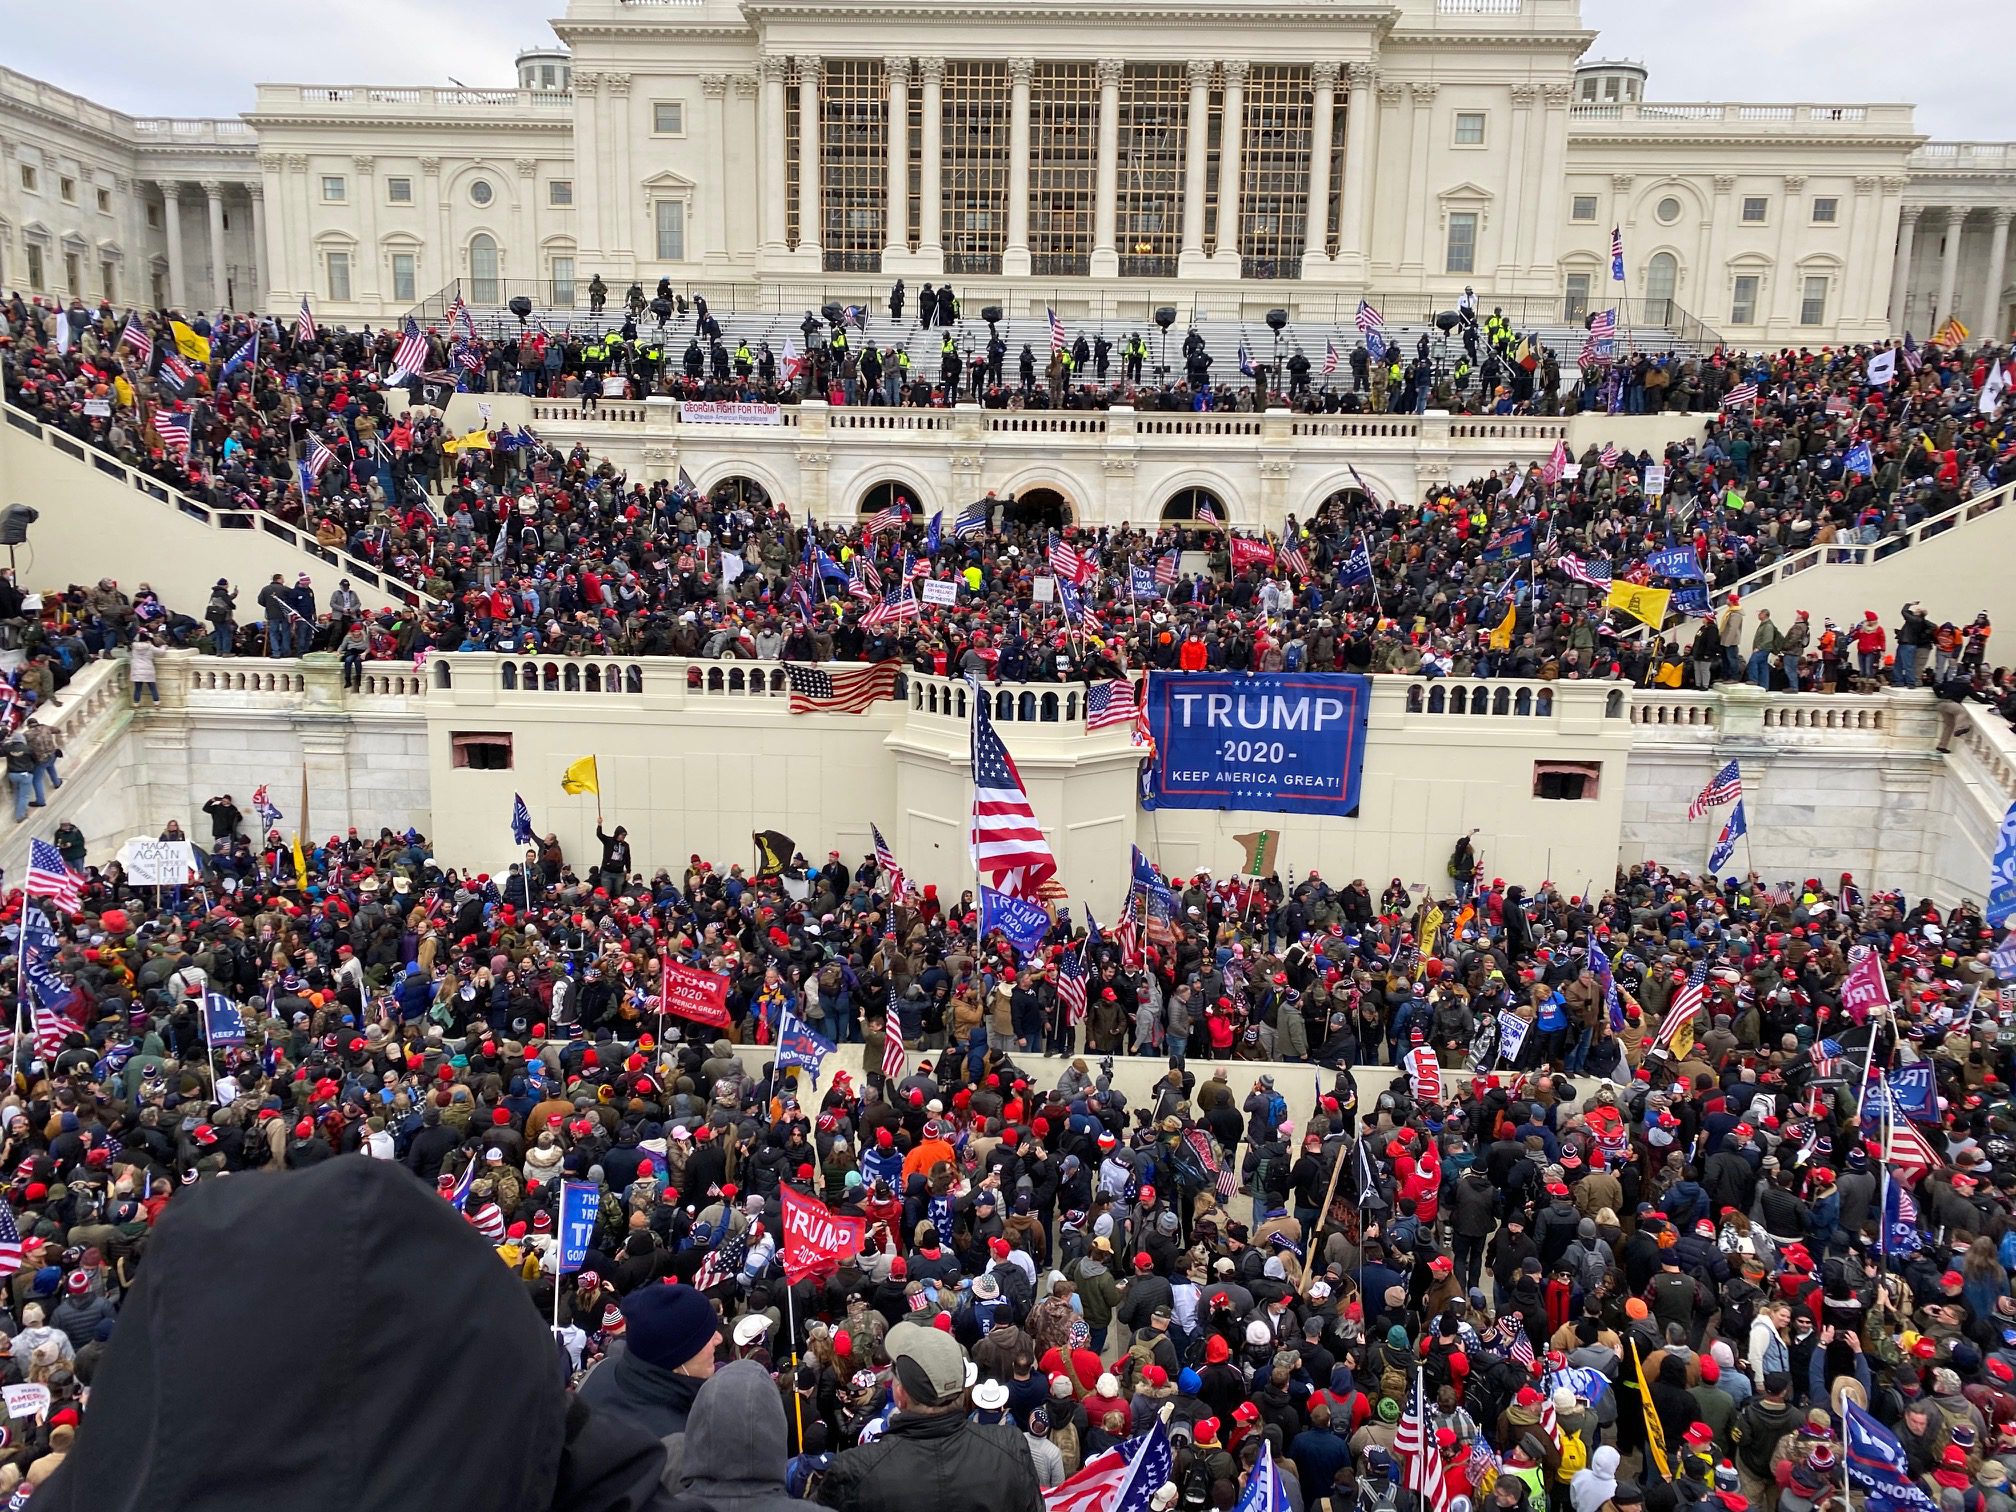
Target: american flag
x,y
1329,358
304,323
1167,566
1067,561
1071,986
1058,340
724,1262
319,456
895,517
1742,393
1617,253
814,690
1603,325
1827,1056
897,605
1109,703
1595,573
899,885
1910,1151
135,335
458,314
1205,513
1369,320
410,356
972,520
52,1031
863,581
10,1240
894,1057
1609,455
1127,933
1521,1347
1293,559
1204,1145
456,1189
1124,1478
1686,1005
50,876
1726,786
1420,1458
1007,843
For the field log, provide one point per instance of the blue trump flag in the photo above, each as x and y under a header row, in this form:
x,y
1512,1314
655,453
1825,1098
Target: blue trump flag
x,y
1280,742
521,820
579,1203
931,535
1510,545
1675,562
223,1024
1264,1491
1901,1234
1733,829
1692,600
1875,1462
799,1046
2004,959
1912,1092
1859,460
1023,924
1141,583
2002,874
1357,567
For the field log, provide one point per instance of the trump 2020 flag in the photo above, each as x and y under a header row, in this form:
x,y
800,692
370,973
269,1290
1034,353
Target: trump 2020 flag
x,y
521,820
1875,1462
1511,1037
1424,1074
223,1024
1265,1491
1733,829
580,1201
1912,1092
799,1046
1901,1234
1023,923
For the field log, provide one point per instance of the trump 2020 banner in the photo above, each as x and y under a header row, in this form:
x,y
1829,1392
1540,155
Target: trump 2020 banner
x,y
1284,742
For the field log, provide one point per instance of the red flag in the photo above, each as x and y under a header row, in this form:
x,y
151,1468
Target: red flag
x,y
816,1238
1864,989
690,993
1424,1071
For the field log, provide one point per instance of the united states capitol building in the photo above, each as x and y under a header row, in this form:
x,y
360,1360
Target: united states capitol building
x,y
1103,160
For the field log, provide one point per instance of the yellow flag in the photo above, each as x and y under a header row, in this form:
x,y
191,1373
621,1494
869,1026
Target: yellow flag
x,y
1431,927
581,777
476,440
1501,638
300,864
122,392
1646,604
1655,1435
188,343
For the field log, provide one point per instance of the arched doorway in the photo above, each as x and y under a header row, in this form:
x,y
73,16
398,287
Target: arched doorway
x,y
888,492
482,269
1195,507
1044,508
1345,504
1662,279
739,492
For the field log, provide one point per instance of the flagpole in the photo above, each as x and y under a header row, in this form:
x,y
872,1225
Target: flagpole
x,y
20,988
1869,1056
791,1322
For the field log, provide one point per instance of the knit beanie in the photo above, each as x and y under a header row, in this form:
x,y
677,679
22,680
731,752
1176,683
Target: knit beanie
x,y
668,1325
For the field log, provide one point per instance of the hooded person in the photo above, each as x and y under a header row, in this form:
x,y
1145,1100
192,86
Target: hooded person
x,y
1595,1483
734,1454
349,1429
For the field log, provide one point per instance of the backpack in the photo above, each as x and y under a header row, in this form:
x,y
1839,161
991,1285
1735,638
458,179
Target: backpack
x,y
1277,1110
1574,1457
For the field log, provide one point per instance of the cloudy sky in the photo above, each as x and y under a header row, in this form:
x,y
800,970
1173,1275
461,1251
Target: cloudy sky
x,y
149,59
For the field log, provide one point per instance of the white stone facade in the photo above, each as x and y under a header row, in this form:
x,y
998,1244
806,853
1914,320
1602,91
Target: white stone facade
x,y
1096,158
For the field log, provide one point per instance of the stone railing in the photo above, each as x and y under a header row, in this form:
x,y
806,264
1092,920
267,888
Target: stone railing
x,y
1856,554
362,98
1963,157
1985,750
90,718
1738,712
1796,117
195,680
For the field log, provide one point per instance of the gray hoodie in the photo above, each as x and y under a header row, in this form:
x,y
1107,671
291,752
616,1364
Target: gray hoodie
x,y
735,1443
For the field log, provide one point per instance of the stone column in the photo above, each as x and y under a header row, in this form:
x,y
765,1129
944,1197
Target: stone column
x,y
810,226
1361,127
213,193
1515,235
1713,305
714,202
931,165
1196,148
531,264
589,189
1789,292
279,272
1547,214
1231,139
896,218
1106,200
254,296
1015,254
746,212
622,193
1900,278
1855,310
1316,229
1991,327
1413,261
171,226
364,279
1949,266
772,71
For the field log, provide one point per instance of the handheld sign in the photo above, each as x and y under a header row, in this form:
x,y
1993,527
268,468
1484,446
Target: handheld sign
x,y
578,1203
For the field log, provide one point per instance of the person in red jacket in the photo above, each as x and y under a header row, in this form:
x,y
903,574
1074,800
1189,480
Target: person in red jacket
x,y
1870,639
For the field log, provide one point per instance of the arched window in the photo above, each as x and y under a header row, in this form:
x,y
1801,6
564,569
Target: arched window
x,y
572,678
1662,279
482,269
887,493
507,674
1199,506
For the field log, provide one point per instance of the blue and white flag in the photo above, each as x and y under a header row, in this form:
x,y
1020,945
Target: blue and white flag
x,y
1617,254
1512,1031
1859,460
1587,1384
249,352
2002,874
521,821
1613,1000
2004,959
1734,828
223,1024
799,1046
1675,562
1357,567
932,533
1141,583
1245,360
1265,1491
1691,600
1510,545
1875,1462
1901,1234
580,1201
1022,923
1912,1092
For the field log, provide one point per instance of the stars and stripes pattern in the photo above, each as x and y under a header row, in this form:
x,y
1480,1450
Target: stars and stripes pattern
x,y
972,520
455,1189
1109,703
1742,393
1603,325
1421,1460
723,1263
135,336
320,457
1609,455
50,876
1058,339
410,356
1520,1349
304,322
1617,254
1127,932
863,581
1368,319
1071,986
1204,1145
898,604
894,1056
1329,358
1726,786
10,1240
1293,559
1910,1152
458,314
1124,1478
1206,513
895,517
1067,561
1167,568
1827,1057
1686,1005
1007,843
1596,573
900,885
814,690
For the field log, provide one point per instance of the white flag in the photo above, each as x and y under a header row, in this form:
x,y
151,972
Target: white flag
x,y
1882,367
1993,387
731,567
1511,1036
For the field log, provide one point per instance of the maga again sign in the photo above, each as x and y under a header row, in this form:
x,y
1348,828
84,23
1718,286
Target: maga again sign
x,y
1280,742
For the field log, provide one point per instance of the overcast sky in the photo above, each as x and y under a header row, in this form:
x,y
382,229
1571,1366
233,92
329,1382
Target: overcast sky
x,y
1947,58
